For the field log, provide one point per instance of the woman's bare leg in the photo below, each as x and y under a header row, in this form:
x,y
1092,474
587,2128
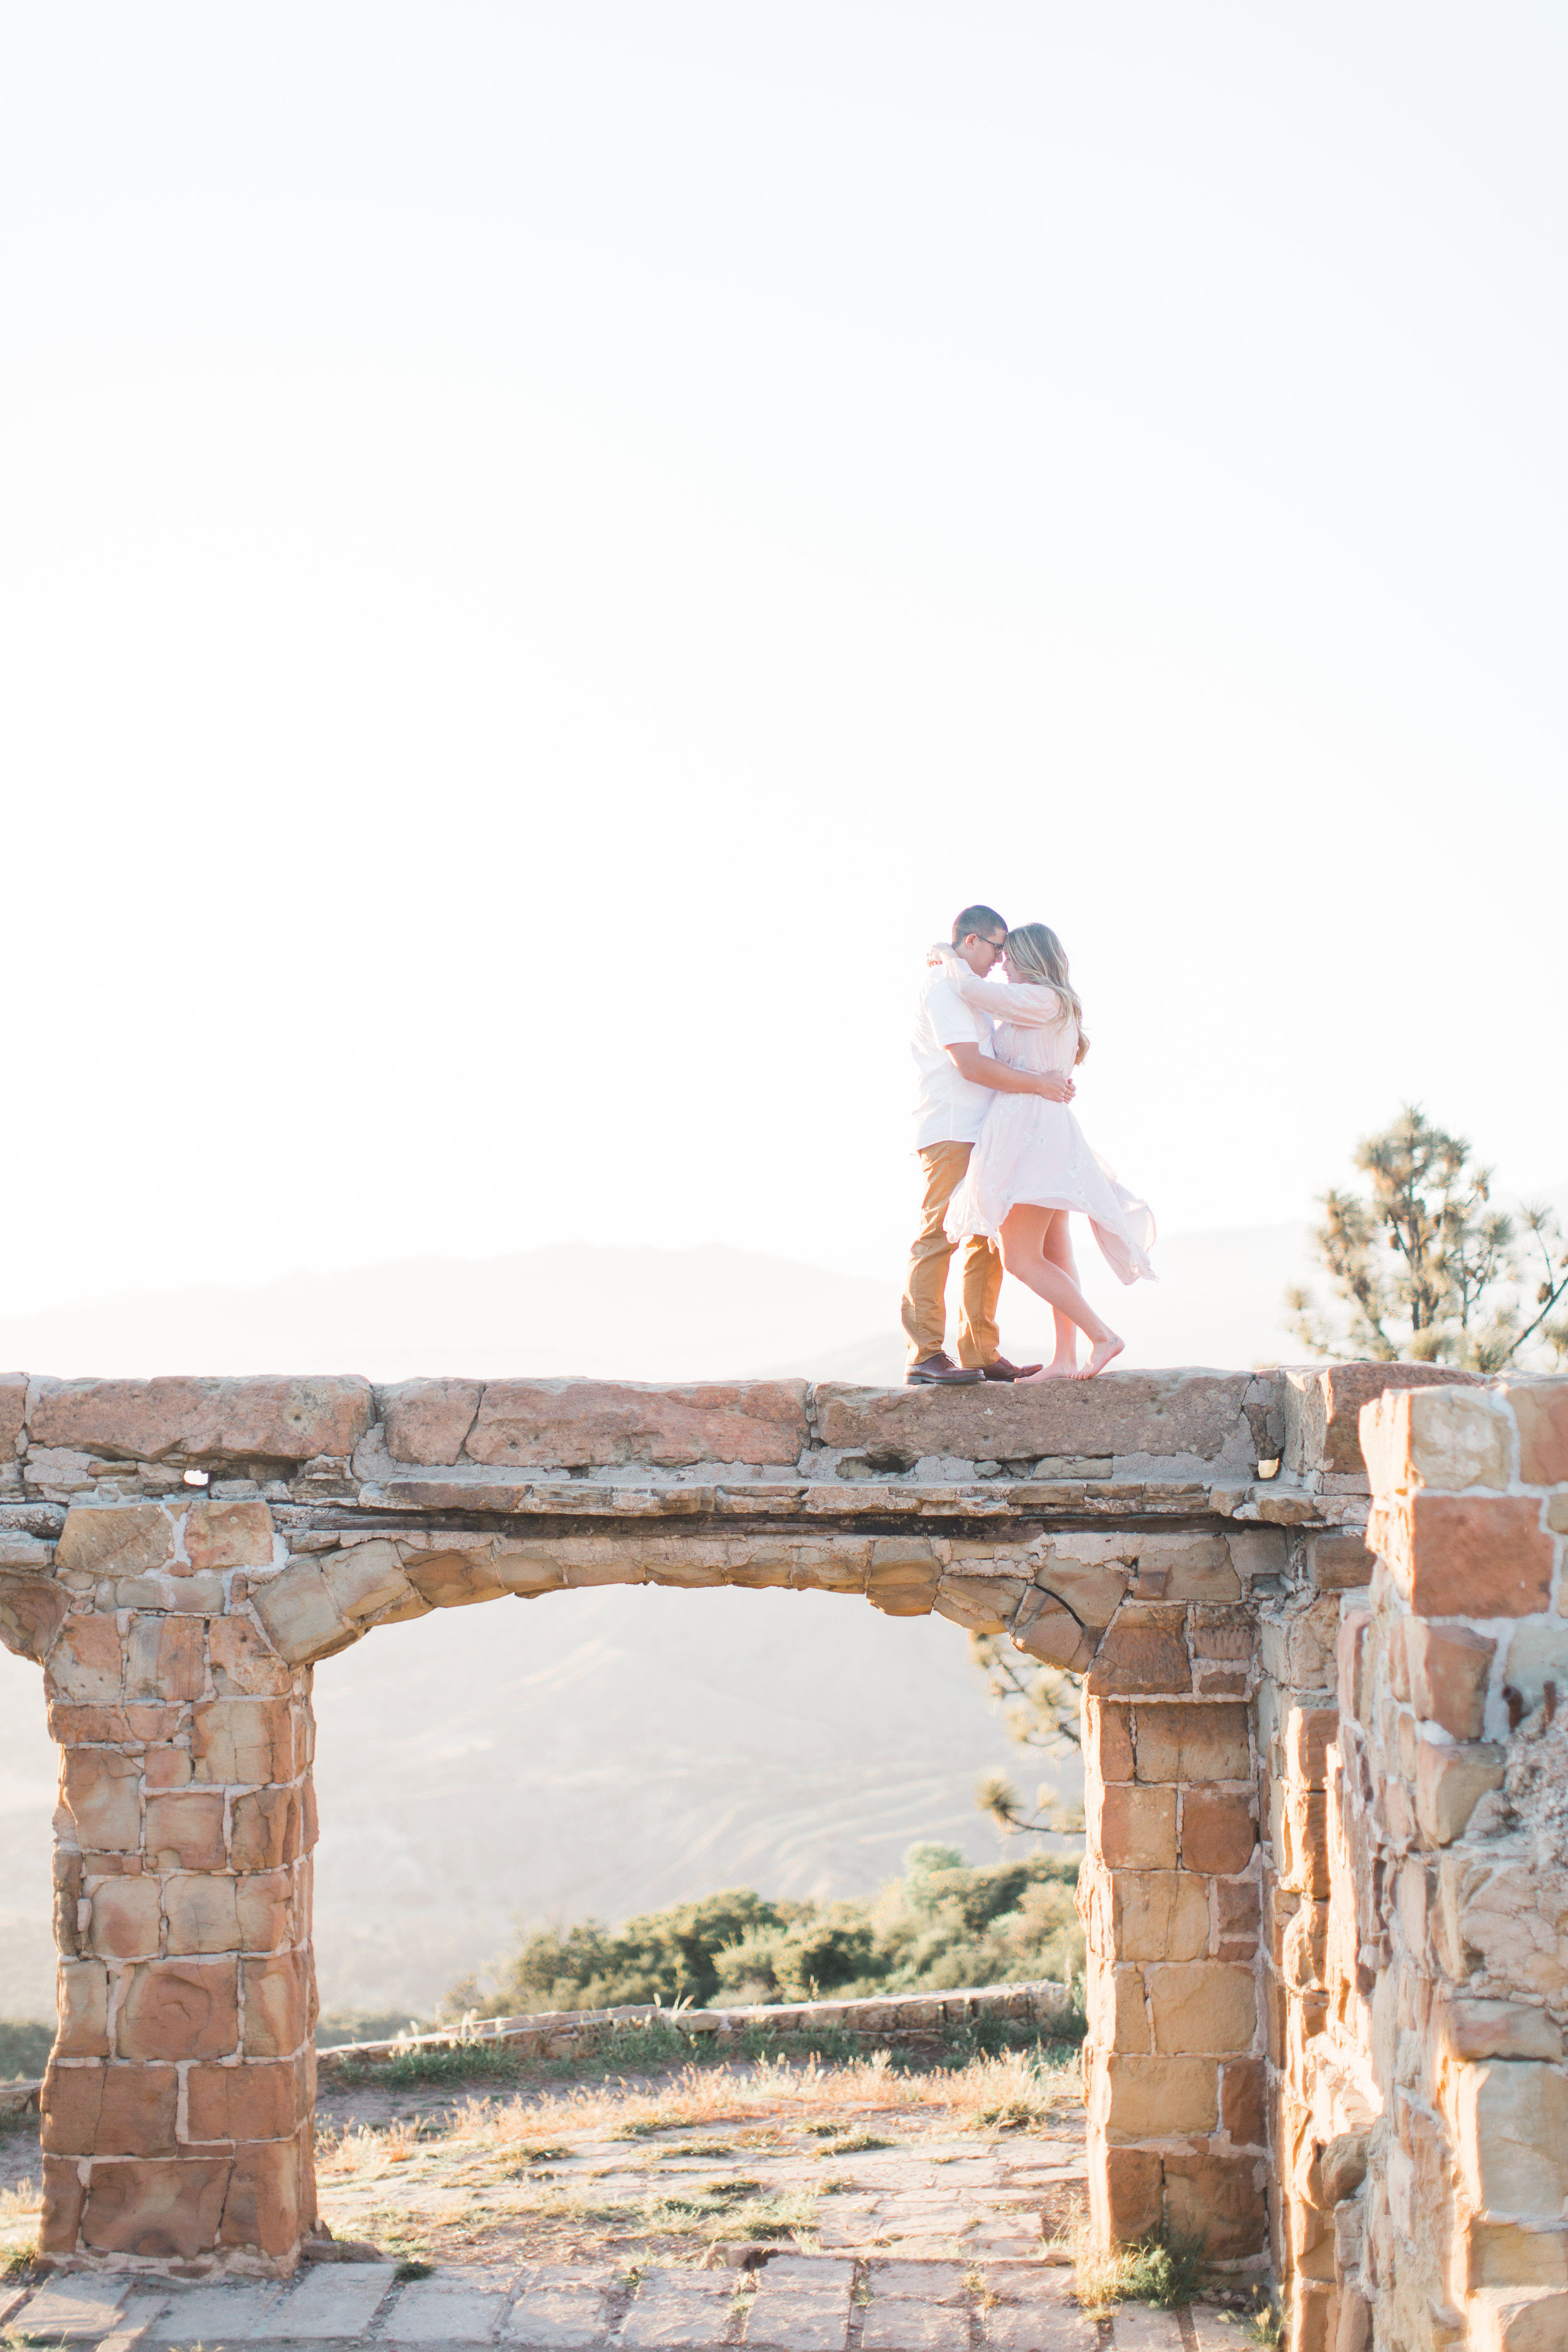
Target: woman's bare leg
x,y
1057,1247
1024,1231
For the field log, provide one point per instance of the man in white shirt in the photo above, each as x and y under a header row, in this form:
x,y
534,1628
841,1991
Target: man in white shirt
x,y
958,1074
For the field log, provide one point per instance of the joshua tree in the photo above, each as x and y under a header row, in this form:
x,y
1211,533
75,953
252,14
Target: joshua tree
x,y
1423,1267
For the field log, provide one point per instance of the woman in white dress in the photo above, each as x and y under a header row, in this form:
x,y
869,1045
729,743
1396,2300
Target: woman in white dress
x,y
1032,1164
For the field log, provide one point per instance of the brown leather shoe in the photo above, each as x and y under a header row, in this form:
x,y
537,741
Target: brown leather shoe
x,y
941,1371
1001,1370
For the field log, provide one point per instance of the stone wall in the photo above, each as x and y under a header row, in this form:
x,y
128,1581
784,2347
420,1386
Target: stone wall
x,y
1325,1892
1417,1779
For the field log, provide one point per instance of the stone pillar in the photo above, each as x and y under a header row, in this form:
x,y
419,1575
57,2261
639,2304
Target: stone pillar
x,y
177,2108
1174,2074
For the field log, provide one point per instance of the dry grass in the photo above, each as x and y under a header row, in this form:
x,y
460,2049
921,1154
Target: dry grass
x,y
1009,2090
19,2203
365,2149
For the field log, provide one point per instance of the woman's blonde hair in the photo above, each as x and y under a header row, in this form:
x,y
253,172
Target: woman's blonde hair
x,y
1035,953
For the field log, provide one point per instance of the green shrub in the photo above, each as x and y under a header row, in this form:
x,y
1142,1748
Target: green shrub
x,y
941,1926
24,2050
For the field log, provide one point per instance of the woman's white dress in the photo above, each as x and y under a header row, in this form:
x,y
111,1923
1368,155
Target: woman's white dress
x,y
1034,1151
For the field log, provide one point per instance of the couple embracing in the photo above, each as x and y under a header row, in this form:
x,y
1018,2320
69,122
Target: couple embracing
x,y
1002,1159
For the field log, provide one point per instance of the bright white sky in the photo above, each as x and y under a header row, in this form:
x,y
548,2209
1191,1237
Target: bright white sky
x,y
547,548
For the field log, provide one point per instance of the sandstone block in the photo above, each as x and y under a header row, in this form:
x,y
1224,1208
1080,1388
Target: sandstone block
x,y
456,1579
1541,1410
1512,2120
1445,1438
180,2009
1497,2029
1237,1907
365,1578
125,1918
303,1620
243,1742
81,2000
110,2110
165,1660
1322,1409
982,1604
1159,1413
1303,1850
277,2006
201,1913
571,1424
1133,1828
265,1830
1218,1831
1498,2254
1308,1731
102,1791
902,1578
1456,1555
1205,1741
1092,1589
184,1828
427,1421
1221,1633
32,1610
184,1420
1207,2007
115,1538
1354,1683
168,2209
1244,2102
1450,1783
13,1411
87,1664
64,2196
221,1534
1118,2017
1107,1739
256,2100
264,1906
1448,1668
1158,1915
1219,2199
1143,1649
1519,2319
1046,1630
270,2195
243,1661
1338,1563
1298,1645
1153,2099
1194,1568
1126,2196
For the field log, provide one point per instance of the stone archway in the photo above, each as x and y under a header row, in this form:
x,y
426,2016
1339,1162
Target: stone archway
x,y
1125,1529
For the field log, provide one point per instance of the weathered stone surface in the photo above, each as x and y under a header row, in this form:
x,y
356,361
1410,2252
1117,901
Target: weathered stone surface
x,y
32,1610
364,1577
1207,1741
1453,1556
192,1419
1448,1667
115,1538
1538,1655
260,2099
1450,1783
1512,2120
1158,1413
1207,2007
1449,1439
243,1742
278,2005
180,2009
87,1664
579,1424
1338,1563
13,1413
454,1580
81,1995
102,1791
1046,1630
1132,1828
170,2208
1092,1590
1158,1915
265,1829
126,1919
303,1620
1322,1409
243,1661
1541,1410
1219,1834
221,1534
1136,2098
427,1421
165,1660
1220,2197
269,2198
982,1605
184,1830
110,2110
1143,1649
1498,2029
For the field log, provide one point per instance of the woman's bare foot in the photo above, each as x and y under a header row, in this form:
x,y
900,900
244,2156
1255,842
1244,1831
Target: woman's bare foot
x,y
1047,1373
1100,1355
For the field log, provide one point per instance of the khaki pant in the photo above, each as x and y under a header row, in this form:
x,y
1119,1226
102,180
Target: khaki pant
x,y
925,1286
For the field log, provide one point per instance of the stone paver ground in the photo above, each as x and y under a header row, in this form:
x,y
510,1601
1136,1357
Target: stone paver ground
x,y
883,2231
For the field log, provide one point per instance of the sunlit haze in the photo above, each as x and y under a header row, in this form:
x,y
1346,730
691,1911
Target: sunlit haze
x,y
548,548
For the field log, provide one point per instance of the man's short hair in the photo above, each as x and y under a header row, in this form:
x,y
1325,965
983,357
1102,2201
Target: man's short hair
x,y
982,921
